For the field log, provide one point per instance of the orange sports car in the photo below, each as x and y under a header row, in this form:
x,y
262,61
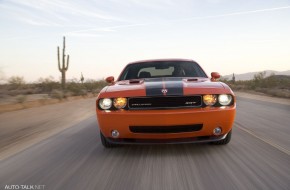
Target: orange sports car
x,y
165,101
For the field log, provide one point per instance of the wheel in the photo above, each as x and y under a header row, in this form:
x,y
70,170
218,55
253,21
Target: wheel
x,y
224,141
105,142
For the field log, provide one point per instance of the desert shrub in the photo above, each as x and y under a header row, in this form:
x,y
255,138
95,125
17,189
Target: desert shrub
x,y
16,82
283,93
278,81
21,99
57,94
101,84
274,85
2,76
93,86
90,85
46,85
76,88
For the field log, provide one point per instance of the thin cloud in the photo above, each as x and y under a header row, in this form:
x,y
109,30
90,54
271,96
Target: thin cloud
x,y
38,22
70,10
21,6
22,37
57,7
58,13
110,29
90,35
95,31
150,4
237,13
114,28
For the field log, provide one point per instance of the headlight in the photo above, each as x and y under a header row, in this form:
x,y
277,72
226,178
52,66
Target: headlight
x,y
120,103
225,99
105,103
209,99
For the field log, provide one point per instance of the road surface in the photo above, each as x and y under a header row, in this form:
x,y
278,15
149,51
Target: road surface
x,y
258,157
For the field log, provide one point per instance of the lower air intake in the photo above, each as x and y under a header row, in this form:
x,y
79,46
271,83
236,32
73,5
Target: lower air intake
x,y
166,129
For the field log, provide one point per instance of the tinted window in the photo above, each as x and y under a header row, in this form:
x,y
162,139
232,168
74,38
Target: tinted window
x,y
159,69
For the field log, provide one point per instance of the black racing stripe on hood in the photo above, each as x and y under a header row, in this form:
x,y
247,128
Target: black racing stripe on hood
x,y
157,87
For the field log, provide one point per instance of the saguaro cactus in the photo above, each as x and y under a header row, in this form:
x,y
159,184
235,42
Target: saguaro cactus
x,y
82,78
65,64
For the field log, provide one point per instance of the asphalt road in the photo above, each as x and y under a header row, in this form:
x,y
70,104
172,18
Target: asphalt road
x,y
258,157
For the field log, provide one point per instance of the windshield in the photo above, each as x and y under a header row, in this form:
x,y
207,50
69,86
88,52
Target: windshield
x,y
158,69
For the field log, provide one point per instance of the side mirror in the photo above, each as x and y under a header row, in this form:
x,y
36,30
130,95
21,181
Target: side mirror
x,y
215,76
110,79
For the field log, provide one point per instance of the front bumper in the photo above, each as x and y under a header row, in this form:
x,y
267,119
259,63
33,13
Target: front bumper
x,y
190,140
209,117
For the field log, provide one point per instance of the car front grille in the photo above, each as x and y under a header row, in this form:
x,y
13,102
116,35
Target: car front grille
x,y
164,102
166,129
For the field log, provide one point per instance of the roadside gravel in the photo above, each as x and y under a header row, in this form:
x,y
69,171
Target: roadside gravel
x,y
263,98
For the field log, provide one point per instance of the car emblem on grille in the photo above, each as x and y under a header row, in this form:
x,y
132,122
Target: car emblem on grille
x,y
190,103
164,91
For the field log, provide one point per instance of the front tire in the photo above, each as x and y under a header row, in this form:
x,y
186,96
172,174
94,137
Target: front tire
x,y
224,141
105,142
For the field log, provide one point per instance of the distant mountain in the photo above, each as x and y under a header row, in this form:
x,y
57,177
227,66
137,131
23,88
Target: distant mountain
x,y
250,76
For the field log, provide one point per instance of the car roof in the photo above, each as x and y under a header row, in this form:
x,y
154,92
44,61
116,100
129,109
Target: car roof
x,y
161,60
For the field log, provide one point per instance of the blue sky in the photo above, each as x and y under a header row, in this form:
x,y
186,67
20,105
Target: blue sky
x,y
103,36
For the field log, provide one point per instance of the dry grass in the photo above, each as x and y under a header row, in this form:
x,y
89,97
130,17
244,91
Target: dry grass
x,y
275,85
32,102
19,95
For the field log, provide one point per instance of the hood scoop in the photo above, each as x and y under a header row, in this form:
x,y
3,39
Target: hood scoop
x,y
192,80
136,81
195,80
133,81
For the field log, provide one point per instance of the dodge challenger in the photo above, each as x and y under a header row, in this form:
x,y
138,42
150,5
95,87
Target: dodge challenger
x,y
165,101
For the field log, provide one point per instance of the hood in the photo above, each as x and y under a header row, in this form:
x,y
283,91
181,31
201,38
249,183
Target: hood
x,y
165,87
